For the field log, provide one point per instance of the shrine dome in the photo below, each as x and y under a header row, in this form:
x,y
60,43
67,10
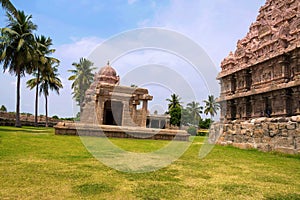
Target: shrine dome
x,y
107,74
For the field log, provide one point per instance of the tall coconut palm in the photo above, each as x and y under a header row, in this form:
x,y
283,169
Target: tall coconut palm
x,y
41,61
16,50
9,7
82,78
211,106
49,80
174,101
194,110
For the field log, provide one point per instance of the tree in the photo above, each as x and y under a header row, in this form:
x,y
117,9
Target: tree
x,y
194,110
82,78
41,61
211,106
9,7
16,50
3,108
175,114
174,101
174,109
205,124
49,80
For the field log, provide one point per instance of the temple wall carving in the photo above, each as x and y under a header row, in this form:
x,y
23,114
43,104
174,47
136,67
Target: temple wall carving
x,y
261,80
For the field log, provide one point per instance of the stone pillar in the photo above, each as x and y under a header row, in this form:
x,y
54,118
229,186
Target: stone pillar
x,y
233,84
100,112
144,113
244,109
133,118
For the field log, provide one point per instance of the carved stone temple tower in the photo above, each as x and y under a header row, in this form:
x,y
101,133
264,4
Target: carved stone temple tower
x,y
262,77
260,84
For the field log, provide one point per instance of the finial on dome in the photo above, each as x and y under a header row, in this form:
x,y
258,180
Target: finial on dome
x,y
108,62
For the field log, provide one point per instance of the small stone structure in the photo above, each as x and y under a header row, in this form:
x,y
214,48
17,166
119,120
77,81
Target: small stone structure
x,y
119,111
262,79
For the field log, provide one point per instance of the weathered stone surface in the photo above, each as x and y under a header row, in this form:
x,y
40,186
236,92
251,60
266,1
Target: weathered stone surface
x,y
268,136
291,126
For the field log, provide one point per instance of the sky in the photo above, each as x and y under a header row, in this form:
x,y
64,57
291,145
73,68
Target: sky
x,y
80,28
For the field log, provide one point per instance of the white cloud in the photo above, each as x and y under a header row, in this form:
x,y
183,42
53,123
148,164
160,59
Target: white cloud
x,y
79,48
212,24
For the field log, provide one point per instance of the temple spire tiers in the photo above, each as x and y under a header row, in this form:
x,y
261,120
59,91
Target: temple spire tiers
x,y
260,83
265,61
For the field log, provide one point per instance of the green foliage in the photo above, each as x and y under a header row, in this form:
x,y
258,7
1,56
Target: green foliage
x,y
17,48
77,118
82,79
55,117
192,130
205,124
174,101
3,108
211,106
175,114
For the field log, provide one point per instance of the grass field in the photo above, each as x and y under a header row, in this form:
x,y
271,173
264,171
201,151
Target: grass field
x,y
36,164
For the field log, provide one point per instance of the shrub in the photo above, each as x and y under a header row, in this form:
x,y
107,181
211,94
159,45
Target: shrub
x,y
192,130
202,133
55,117
3,108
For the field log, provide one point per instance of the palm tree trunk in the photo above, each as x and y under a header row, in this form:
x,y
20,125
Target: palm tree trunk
x,y
18,122
37,98
46,109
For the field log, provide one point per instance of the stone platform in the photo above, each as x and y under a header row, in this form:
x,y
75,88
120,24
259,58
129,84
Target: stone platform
x,y
281,134
81,129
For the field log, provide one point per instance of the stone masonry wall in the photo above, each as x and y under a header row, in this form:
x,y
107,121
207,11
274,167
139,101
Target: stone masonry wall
x,y
265,134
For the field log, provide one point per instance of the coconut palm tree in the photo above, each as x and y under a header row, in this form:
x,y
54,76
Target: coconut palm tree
x,y
9,7
40,62
211,106
174,101
194,110
49,80
16,49
82,79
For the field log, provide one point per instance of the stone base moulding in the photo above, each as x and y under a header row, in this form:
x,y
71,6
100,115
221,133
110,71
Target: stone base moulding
x,y
120,132
266,134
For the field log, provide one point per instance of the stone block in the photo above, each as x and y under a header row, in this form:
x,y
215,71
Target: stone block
x,y
281,126
265,125
291,126
273,133
285,150
273,126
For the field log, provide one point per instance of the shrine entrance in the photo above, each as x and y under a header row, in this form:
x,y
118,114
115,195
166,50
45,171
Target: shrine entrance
x,y
113,112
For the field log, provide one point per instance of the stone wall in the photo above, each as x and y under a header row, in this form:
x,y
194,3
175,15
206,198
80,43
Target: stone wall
x,y
8,119
265,134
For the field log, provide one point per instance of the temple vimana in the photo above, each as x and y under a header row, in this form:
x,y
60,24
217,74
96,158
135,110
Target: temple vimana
x,y
262,77
260,84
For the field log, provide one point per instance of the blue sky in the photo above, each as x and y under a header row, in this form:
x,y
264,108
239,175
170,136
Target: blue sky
x,y
77,27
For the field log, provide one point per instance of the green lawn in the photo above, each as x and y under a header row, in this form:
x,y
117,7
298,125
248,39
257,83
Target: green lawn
x,y
36,164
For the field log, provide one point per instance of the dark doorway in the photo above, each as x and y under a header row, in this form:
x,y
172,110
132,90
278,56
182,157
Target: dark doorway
x,y
268,107
113,111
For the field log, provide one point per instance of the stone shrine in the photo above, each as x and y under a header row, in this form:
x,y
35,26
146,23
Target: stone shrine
x,y
119,111
260,83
